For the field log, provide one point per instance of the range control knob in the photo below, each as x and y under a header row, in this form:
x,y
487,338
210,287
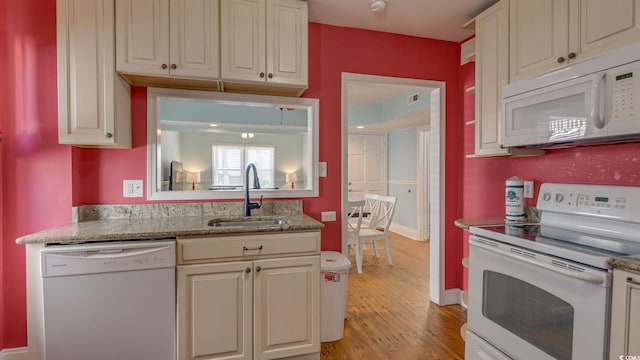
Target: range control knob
x,y
546,196
559,197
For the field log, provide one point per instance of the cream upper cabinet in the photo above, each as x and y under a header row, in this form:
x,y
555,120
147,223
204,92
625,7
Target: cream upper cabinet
x,y
492,73
168,38
94,104
625,314
546,34
264,41
248,296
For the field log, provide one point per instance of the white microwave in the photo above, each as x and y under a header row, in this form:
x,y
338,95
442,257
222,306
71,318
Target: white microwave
x,y
594,100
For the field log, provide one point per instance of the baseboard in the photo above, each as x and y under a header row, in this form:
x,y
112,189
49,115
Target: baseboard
x,y
405,231
21,353
452,296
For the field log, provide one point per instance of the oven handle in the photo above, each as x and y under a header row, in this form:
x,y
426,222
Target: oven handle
x,y
590,278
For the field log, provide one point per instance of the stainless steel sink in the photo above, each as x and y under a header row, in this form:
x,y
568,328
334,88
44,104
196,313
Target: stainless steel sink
x,y
247,222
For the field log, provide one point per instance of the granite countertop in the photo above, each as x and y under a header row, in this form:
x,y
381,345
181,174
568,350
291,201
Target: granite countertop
x,y
630,263
532,217
125,222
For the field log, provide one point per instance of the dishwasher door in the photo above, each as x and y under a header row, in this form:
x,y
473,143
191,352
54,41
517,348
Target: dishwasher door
x,y
109,301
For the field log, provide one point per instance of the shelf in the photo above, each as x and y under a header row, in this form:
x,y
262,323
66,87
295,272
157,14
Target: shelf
x,y
465,262
463,331
471,57
470,122
470,89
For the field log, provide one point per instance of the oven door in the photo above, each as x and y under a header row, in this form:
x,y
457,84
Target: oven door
x,y
534,306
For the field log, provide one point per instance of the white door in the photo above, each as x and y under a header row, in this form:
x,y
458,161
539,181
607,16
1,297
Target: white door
x,y
367,165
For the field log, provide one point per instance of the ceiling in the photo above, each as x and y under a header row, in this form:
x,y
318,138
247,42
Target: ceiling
x,y
436,19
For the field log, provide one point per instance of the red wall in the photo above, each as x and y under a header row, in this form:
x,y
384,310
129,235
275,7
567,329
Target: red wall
x,y
36,171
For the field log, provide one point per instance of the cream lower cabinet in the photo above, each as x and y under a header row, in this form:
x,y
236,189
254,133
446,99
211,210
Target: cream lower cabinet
x,y
264,42
625,315
94,103
266,307
546,34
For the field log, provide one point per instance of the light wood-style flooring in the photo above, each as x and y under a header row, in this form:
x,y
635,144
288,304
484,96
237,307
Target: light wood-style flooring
x,y
390,314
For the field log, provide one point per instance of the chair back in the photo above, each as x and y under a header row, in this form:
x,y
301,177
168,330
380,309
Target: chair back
x,y
355,211
381,208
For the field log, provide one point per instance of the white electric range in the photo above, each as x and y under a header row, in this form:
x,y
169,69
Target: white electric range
x,y
542,291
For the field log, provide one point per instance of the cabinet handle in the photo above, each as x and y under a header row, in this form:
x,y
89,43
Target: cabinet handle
x,y
572,55
109,135
174,66
261,75
163,66
258,268
270,76
247,270
632,282
244,248
560,60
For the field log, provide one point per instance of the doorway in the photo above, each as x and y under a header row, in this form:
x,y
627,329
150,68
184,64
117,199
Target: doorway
x,y
429,178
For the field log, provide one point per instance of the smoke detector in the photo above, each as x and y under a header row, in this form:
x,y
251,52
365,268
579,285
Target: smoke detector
x,y
378,5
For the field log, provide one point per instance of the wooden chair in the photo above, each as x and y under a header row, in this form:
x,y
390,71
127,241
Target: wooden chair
x,y
375,226
355,211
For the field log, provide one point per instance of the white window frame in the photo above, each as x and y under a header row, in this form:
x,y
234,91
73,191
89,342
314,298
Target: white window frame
x,y
266,176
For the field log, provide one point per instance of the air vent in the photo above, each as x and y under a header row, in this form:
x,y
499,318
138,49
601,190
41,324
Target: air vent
x,y
412,99
564,265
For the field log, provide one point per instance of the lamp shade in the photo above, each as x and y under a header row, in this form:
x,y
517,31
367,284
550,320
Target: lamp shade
x,y
291,178
193,177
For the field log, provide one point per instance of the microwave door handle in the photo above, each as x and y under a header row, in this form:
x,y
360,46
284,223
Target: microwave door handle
x,y
597,116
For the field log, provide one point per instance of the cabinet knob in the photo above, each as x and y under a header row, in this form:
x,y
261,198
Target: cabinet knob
x,y
109,135
560,60
247,270
572,55
270,76
163,66
258,268
174,66
261,75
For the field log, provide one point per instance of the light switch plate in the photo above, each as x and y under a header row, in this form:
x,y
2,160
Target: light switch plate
x,y
322,169
328,216
133,188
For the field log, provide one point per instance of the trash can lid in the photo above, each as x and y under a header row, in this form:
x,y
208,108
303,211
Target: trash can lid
x,y
333,260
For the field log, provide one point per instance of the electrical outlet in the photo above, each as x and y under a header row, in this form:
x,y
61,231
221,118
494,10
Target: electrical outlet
x,y
328,216
133,188
528,189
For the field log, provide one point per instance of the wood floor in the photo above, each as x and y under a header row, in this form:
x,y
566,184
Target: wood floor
x,y
390,314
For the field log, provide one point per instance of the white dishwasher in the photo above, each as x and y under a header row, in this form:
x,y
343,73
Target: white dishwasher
x,y
109,301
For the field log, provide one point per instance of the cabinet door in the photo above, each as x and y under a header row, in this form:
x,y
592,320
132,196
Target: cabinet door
x,y
492,73
539,36
287,310
605,27
142,34
287,42
625,314
242,37
93,101
214,308
194,42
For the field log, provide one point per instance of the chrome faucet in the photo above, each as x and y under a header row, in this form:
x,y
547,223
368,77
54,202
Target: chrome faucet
x,y
256,185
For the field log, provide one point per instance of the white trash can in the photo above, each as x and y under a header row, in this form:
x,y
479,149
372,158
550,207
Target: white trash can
x,y
334,276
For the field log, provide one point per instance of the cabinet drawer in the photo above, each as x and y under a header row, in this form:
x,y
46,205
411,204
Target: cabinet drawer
x,y
195,249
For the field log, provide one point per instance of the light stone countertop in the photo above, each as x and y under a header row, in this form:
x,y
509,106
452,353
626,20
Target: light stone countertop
x,y
630,263
157,221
